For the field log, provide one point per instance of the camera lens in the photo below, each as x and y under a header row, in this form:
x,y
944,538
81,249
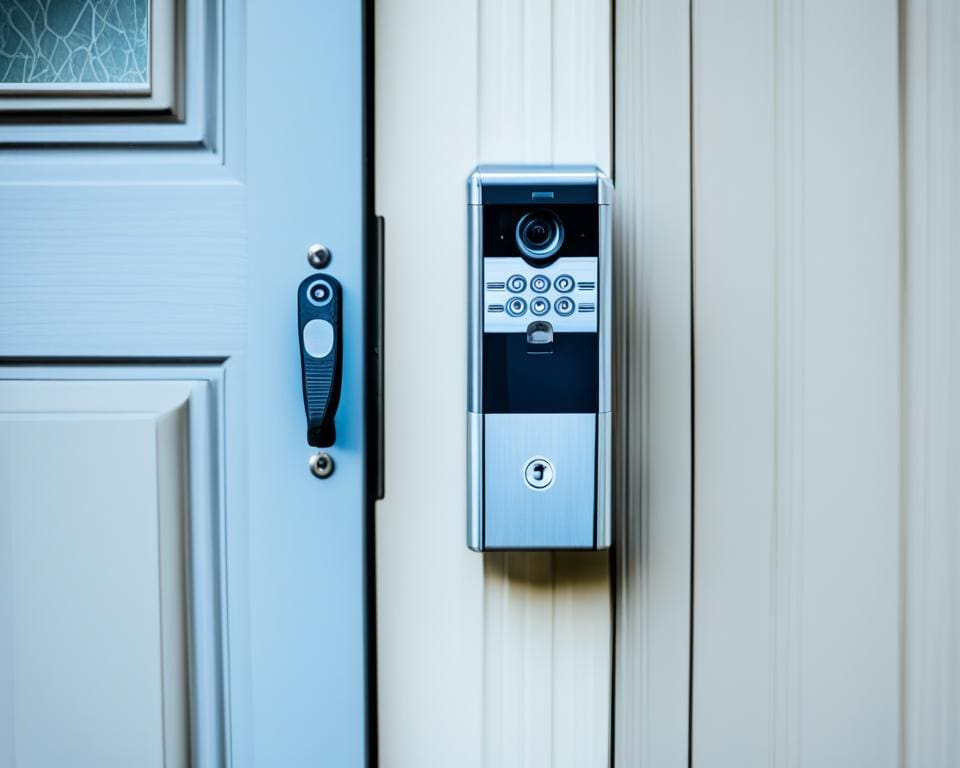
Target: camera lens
x,y
539,234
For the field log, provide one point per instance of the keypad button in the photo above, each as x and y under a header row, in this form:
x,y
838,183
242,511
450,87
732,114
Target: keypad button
x,y
517,284
540,283
564,283
539,306
564,306
516,306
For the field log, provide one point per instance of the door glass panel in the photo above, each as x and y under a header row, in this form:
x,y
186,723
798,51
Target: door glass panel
x,y
73,44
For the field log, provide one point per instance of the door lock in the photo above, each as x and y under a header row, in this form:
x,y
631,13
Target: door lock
x,y
538,473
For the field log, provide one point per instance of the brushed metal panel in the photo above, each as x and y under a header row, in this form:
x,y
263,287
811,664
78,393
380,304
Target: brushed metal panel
x,y
605,303
475,481
604,480
560,516
474,316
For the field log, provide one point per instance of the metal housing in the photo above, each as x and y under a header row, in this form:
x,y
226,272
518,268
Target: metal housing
x,y
502,512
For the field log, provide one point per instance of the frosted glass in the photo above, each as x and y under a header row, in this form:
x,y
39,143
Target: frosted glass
x,y
74,41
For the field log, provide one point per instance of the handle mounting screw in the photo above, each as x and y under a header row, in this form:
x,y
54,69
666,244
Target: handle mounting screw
x,y
321,464
319,256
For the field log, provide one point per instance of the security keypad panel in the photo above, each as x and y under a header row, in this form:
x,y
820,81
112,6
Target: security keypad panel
x,y
539,379
564,293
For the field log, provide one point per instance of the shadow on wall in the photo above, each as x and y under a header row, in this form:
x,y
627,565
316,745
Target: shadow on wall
x,y
583,571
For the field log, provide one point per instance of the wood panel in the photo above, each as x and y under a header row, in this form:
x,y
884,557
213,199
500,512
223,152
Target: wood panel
x,y
484,660
110,588
166,273
797,302
653,268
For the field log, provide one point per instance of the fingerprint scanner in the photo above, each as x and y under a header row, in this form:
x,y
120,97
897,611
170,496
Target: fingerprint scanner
x,y
539,332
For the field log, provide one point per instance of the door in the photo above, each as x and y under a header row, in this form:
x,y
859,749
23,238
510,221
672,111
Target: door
x,y
176,587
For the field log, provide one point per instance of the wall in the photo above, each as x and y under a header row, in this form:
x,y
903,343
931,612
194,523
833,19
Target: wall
x,y
825,612
787,187
653,248
930,422
484,660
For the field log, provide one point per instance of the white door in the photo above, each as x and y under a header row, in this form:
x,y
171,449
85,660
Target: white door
x,y
176,587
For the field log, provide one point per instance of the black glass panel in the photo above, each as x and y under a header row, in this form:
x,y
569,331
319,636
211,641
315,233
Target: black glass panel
x,y
520,378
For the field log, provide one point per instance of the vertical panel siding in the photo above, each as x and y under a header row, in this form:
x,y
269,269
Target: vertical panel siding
x,y
653,274
931,590
430,625
797,306
484,660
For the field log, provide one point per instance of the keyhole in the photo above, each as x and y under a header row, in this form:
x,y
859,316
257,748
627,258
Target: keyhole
x,y
538,473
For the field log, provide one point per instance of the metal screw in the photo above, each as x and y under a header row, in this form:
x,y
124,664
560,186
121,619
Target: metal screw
x,y
321,464
319,256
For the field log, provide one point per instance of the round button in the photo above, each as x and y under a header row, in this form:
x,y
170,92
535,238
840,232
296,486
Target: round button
x,y
539,306
540,283
319,292
564,306
318,338
538,473
564,283
516,284
516,306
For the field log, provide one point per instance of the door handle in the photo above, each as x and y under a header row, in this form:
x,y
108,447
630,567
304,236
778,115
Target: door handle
x,y
321,355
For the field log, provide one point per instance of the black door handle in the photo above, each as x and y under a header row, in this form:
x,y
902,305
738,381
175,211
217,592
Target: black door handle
x,y
321,355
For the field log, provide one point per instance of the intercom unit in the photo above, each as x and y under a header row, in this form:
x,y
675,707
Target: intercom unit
x,y
539,358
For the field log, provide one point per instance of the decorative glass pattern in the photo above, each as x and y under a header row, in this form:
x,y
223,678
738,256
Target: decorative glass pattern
x,y
74,42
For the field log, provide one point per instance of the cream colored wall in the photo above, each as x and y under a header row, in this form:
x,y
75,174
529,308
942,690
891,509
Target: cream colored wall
x,y
652,242
826,613
483,660
786,197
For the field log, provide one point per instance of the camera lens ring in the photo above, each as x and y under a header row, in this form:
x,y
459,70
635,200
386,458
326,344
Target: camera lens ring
x,y
539,234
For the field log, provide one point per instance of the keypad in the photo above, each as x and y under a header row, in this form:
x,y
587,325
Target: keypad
x,y
563,294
